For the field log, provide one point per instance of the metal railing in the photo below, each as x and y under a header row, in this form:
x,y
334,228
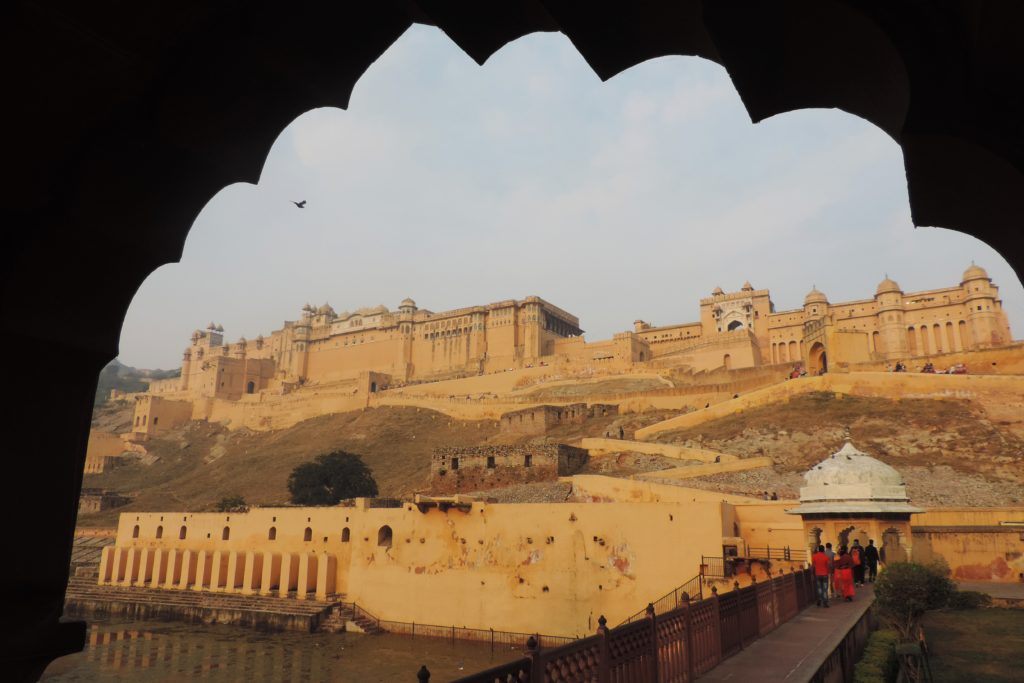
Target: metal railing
x,y
691,591
674,647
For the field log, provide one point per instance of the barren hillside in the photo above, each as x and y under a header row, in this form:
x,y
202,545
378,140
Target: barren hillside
x,y
949,450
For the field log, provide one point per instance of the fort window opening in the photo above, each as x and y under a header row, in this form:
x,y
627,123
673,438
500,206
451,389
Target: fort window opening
x,y
159,532
384,537
733,325
250,387
137,419
308,536
455,463
182,532
226,534
135,531
373,387
155,421
527,460
345,535
272,534
490,462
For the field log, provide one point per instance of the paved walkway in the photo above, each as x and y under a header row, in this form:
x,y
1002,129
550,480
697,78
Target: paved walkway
x,y
795,650
1004,591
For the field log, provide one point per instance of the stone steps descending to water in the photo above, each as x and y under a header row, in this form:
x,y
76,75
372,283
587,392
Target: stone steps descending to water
x,y
85,597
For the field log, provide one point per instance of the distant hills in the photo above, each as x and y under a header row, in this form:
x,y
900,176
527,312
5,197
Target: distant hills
x,y
117,375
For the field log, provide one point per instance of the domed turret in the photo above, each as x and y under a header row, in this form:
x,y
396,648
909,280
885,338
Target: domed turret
x,y
325,310
888,286
220,328
975,273
815,297
717,291
747,287
852,481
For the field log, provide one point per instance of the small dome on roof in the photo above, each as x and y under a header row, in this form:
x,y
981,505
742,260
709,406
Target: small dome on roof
x,y
975,273
888,285
407,302
211,326
325,310
850,481
220,328
716,291
307,307
815,297
747,287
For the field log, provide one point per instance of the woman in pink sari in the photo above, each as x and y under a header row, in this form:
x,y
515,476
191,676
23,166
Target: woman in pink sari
x,y
844,574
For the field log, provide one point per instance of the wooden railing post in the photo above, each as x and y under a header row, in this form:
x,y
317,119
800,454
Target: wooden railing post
x,y
689,639
716,632
652,621
533,654
604,673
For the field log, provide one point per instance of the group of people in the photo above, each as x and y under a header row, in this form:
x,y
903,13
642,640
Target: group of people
x,y
836,575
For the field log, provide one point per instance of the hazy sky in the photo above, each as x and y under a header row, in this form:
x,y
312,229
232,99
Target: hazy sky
x,y
458,185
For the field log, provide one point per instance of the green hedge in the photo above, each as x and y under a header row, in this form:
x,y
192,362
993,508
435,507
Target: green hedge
x,y
878,663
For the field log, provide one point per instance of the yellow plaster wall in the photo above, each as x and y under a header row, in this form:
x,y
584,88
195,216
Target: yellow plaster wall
x,y
595,487
692,471
487,567
598,445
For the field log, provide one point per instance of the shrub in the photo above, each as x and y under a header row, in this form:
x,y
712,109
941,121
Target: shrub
x,y
331,478
969,600
878,663
234,503
905,590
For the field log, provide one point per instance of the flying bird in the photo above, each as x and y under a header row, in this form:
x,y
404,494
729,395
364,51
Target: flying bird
x,y
301,205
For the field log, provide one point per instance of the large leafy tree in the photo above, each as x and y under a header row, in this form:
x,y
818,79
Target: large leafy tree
x,y
330,478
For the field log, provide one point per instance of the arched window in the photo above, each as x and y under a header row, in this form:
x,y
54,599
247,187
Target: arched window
x,y
308,536
160,532
345,535
182,532
250,387
733,325
272,534
135,531
384,536
226,534
138,420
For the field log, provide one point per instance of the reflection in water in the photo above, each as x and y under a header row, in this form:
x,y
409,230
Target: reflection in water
x,y
163,651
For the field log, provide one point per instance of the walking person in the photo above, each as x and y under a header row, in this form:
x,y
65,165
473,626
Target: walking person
x,y
820,562
871,559
831,568
844,575
857,555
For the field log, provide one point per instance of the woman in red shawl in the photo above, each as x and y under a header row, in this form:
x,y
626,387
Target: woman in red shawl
x,y
844,574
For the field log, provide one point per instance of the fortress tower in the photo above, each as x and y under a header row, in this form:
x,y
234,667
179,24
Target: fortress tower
x,y
892,339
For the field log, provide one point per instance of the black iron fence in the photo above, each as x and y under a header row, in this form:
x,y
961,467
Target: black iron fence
x,y
691,591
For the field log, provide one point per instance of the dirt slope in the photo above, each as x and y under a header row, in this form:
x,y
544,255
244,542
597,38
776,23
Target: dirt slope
x,y
948,450
201,463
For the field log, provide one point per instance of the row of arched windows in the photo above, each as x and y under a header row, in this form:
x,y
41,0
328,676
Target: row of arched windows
x,y
384,534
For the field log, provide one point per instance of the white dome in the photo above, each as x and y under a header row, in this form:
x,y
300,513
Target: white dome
x,y
852,481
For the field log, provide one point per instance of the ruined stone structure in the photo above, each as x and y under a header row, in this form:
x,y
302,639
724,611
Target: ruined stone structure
x,y
477,468
539,419
97,500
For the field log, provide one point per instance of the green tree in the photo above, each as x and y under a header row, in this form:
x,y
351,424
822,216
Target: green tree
x,y
906,590
235,503
330,478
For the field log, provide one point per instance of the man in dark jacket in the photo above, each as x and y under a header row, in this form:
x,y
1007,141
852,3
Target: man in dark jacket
x,y
871,560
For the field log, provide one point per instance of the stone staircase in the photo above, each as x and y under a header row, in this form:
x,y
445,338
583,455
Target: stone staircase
x,y
342,616
85,597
